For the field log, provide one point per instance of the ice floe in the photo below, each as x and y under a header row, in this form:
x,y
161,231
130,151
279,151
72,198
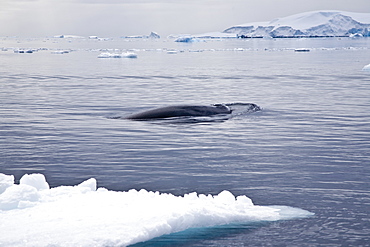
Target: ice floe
x,y
60,52
32,214
302,50
117,55
187,39
366,67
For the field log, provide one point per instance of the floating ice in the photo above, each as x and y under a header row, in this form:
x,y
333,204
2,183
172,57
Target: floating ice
x,y
105,55
356,35
24,51
60,52
172,51
302,50
37,181
154,35
366,67
117,55
5,182
187,39
216,35
82,215
129,55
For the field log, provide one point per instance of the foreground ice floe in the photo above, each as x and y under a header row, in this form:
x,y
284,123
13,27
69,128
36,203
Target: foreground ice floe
x,y
32,214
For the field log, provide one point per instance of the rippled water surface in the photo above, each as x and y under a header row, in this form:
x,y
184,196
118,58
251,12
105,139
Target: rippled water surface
x,y
309,146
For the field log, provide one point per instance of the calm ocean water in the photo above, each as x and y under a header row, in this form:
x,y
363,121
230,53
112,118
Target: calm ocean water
x,y
309,147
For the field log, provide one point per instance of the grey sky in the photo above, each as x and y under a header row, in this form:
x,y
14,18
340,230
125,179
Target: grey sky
x,y
114,18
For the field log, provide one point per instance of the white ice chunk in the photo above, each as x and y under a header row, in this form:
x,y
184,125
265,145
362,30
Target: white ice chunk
x,y
356,35
225,197
243,200
172,51
104,55
37,181
366,67
60,52
18,196
117,55
90,184
5,182
129,55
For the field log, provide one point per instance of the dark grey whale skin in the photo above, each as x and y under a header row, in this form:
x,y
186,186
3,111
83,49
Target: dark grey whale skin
x,y
180,111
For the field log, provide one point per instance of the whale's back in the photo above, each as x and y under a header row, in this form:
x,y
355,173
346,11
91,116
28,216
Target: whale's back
x,y
181,110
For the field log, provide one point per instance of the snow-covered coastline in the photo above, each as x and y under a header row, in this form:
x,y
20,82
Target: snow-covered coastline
x,y
325,23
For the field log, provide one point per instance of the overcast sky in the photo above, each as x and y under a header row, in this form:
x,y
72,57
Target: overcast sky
x,y
115,18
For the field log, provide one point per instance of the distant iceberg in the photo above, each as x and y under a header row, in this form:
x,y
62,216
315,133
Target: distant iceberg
x,y
172,51
302,50
117,55
129,55
109,55
68,36
187,39
309,24
33,214
366,68
356,35
215,35
25,51
60,52
152,35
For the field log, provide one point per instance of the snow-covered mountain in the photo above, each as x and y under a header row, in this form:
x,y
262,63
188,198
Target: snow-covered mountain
x,y
309,24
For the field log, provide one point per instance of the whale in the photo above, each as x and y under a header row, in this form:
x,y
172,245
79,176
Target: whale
x,y
181,111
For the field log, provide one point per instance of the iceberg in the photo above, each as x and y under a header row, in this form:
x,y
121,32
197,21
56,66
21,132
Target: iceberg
x,y
366,68
109,55
33,214
172,51
129,55
152,35
302,50
356,35
62,36
25,51
60,52
117,55
322,23
187,39
216,35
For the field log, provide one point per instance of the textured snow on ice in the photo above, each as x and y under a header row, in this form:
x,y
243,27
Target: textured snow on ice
x,y
5,182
